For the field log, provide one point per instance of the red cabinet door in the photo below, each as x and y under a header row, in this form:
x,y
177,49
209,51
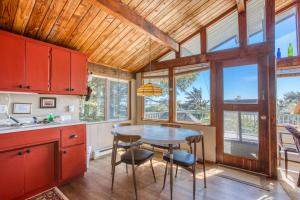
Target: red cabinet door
x,y
11,174
73,161
39,167
60,70
37,66
12,62
78,73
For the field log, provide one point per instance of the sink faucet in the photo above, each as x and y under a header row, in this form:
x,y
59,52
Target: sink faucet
x,y
12,118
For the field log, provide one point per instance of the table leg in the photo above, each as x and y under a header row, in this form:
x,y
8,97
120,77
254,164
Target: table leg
x,y
171,169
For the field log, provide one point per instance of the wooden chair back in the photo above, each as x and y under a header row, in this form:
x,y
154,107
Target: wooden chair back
x,y
131,139
296,135
192,141
171,125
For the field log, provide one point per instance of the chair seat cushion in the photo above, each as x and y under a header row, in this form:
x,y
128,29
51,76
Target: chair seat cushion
x,y
140,156
181,158
126,146
164,146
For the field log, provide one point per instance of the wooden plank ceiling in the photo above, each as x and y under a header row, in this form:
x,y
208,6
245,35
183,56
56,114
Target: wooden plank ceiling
x,y
84,26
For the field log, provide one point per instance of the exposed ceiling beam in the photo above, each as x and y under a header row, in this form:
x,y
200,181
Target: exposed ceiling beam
x,y
123,12
241,5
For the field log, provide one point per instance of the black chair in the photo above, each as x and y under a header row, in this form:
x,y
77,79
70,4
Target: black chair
x,y
187,160
123,145
134,156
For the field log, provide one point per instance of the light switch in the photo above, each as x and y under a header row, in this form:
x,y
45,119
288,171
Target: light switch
x,y
3,109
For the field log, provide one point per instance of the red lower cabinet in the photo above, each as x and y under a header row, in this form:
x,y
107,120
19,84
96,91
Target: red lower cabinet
x,y
73,161
11,174
39,167
26,170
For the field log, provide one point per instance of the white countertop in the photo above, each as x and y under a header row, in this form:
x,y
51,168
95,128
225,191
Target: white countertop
x,y
40,126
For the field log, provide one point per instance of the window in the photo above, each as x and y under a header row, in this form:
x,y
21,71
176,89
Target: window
x,y
191,47
109,100
118,100
223,34
193,94
241,84
168,56
285,32
255,21
157,107
94,109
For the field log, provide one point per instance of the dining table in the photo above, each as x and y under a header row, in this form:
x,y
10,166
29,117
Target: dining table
x,y
156,134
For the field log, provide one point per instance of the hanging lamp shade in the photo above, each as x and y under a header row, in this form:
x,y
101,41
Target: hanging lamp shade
x,y
149,89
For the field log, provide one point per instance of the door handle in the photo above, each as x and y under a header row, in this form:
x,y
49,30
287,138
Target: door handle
x,y
263,117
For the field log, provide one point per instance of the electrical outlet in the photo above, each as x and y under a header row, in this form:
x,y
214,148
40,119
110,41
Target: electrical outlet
x,y
3,109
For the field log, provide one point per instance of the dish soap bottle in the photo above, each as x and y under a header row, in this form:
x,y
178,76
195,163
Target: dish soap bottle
x,y
290,50
50,117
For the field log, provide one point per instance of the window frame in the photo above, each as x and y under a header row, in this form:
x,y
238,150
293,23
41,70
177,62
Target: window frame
x,y
143,98
107,99
175,99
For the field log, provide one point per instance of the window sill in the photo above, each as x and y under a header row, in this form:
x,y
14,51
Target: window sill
x,y
108,121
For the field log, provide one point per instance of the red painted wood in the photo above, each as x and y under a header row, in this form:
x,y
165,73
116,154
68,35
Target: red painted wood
x,y
11,174
39,166
37,66
73,161
12,57
78,73
60,70
28,138
72,135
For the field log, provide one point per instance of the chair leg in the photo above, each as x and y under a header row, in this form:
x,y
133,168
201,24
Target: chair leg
x,y
126,165
152,170
279,157
176,171
203,157
165,176
298,184
113,167
194,181
286,162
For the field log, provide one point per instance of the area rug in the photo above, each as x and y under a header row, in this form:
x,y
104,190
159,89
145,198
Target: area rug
x,y
243,177
52,194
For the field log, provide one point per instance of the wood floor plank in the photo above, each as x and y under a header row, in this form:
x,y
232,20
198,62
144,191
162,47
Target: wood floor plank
x,y
95,185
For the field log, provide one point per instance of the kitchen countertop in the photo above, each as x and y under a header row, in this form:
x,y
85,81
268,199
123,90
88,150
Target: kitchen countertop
x,y
39,126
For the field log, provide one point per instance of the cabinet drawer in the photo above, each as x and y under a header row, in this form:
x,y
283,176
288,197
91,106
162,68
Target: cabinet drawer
x,y
73,135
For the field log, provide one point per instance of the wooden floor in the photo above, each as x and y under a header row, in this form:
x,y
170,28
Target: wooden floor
x,y
95,185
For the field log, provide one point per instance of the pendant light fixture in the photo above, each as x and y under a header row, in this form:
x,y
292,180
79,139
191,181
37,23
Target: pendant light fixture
x,y
149,89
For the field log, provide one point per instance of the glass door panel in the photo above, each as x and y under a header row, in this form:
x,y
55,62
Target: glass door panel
x,y
241,134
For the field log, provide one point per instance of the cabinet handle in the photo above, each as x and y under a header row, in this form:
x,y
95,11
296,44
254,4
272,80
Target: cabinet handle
x,y
28,151
64,152
20,153
68,89
20,86
73,136
72,89
28,87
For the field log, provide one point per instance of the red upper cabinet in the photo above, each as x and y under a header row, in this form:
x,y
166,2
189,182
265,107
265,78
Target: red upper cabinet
x,y
11,174
12,61
78,73
60,70
37,66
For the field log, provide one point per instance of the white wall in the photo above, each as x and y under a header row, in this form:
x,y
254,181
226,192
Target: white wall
x,y
62,102
208,131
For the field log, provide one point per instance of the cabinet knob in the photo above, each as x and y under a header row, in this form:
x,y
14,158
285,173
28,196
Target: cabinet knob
x,y
64,152
72,89
20,86
28,151
20,153
67,89
28,86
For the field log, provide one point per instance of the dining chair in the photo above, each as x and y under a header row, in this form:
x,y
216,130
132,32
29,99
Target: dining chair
x,y
296,136
135,156
187,160
123,145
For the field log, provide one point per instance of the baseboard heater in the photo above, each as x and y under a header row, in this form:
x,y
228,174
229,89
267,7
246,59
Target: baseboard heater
x,y
101,152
